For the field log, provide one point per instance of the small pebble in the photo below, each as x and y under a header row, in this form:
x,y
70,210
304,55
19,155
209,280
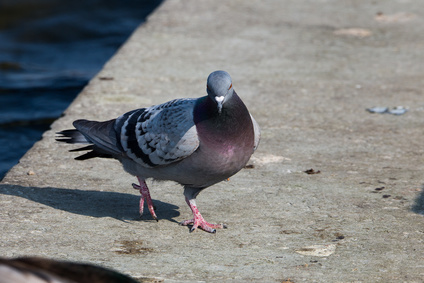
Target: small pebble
x,y
378,109
398,110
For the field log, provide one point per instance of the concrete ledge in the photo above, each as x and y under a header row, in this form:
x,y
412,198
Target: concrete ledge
x,y
307,70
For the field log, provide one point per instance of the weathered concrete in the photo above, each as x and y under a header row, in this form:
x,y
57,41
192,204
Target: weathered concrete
x,y
307,71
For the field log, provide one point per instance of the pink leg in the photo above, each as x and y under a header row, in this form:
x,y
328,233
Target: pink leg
x,y
145,194
198,220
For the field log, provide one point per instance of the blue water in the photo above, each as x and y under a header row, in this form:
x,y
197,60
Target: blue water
x,y
49,50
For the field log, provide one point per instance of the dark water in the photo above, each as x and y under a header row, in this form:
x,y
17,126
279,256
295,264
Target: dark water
x,y
49,50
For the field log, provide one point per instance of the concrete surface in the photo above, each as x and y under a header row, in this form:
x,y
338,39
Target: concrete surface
x,y
307,70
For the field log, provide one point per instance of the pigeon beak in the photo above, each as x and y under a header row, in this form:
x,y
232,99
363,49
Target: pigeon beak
x,y
219,102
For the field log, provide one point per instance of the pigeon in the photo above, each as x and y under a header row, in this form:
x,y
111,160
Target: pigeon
x,y
44,270
194,142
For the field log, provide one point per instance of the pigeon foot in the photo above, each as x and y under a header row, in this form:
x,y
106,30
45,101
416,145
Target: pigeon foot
x,y
199,221
145,195
206,226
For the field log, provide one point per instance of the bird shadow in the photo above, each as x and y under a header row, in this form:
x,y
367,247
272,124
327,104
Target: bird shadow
x,y
120,206
418,206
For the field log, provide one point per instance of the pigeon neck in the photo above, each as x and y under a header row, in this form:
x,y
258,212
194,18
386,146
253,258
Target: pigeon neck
x,y
229,134
233,113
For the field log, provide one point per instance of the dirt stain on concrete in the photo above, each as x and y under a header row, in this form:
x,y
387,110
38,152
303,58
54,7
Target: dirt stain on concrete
x,y
132,247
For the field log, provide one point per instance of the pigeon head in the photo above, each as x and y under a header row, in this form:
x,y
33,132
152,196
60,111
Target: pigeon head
x,y
220,88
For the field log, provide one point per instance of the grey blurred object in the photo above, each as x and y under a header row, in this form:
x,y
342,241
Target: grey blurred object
x,y
41,270
398,110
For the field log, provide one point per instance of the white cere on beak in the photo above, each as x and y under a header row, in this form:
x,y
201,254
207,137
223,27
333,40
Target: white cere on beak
x,y
219,100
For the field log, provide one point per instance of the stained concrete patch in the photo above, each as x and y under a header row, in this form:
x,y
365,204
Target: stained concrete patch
x,y
318,250
359,32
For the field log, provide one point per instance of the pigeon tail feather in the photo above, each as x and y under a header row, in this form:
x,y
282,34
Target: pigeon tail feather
x,y
71,136
101,134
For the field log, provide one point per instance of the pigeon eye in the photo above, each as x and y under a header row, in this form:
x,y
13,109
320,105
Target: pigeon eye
x,y
230,86
207,87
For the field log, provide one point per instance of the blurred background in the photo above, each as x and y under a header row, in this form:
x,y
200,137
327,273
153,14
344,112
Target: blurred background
x,y
49,50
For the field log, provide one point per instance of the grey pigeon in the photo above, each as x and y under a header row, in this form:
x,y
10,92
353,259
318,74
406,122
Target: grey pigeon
x,y
194,142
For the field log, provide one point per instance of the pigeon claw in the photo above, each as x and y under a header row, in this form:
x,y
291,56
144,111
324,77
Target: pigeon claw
x,y
202,224
198,220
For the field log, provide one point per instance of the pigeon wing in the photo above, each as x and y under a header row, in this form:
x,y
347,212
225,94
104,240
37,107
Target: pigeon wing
x,y
159,135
